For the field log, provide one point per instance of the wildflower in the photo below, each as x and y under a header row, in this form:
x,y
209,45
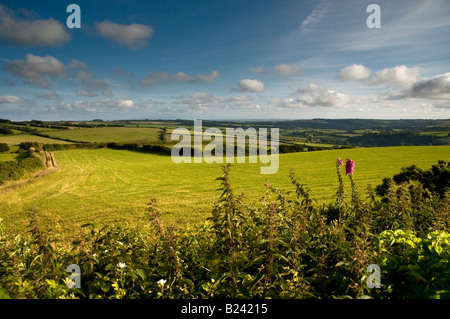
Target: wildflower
x,y
339,161
161,282
266,184
349,167
121,265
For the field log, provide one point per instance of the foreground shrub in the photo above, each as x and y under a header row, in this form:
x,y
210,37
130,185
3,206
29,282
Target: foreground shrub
x,y
414,267
4,147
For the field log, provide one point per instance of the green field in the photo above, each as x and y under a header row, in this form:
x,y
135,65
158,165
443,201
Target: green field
x,y
4,157
114,186
108,134
19,138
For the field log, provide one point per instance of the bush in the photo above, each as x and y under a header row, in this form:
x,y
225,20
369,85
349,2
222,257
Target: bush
x,y
434,180
415,267
15,170
6,131
4,147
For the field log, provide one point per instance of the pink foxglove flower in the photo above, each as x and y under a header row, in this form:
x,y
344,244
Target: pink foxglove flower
x,y
349,167
339,161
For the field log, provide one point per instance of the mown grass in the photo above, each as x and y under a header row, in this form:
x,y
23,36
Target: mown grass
x,y
19,138
5,157
114,186
109,134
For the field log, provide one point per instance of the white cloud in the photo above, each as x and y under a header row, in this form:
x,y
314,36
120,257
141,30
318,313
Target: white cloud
x,y
316,95
163,77
10,99
132,35
86,77
205,78
92,106
354,72
37,70
90,80
259,70
208,78
37,32
437,87
287,70
249,85
155,78
86,93
399,75
315,17
124,104
49,96
202,101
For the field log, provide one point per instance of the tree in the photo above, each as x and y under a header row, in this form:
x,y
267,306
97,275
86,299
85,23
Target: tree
x,y
4,148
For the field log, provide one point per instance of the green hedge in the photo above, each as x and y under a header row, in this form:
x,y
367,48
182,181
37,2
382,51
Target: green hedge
x,y
4,147
15,170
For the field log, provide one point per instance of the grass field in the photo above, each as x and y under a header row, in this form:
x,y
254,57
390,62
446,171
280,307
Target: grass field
x,y
19,138
4,157
111,186
109,134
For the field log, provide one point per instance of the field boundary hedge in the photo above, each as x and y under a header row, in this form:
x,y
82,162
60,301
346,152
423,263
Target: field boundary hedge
x,y
15,170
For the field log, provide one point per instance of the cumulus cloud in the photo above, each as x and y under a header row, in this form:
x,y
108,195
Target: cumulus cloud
x,y
437,87
404,83
93,106
90,80
86,77
202,101
163,77
10,99
287,70
208,78
316,95
319,96
399,75
37,70
132,35
25,32
123,104
155,78
249,85
354,72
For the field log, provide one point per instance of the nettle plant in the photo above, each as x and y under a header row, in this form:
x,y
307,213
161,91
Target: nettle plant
x,y
285,245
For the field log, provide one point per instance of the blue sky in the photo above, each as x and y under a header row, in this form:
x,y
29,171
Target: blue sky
x,y
234,59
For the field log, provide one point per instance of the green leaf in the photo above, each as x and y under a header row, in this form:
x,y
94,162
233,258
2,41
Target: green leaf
x,y
105,286
110,267
4,294
141,274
